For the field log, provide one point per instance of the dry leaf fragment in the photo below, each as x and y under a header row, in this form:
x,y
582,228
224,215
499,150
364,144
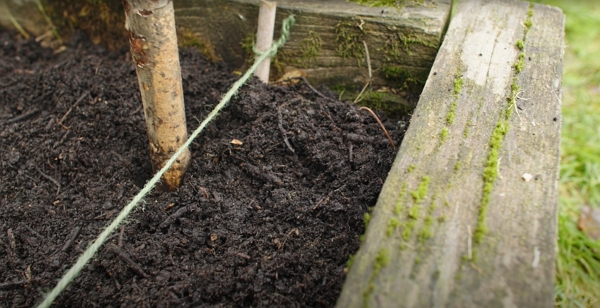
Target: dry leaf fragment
x,y
236,142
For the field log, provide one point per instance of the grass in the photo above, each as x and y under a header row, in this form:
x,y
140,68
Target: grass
x,y
578,263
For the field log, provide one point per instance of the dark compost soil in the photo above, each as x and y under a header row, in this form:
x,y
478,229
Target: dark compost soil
x,y
253,225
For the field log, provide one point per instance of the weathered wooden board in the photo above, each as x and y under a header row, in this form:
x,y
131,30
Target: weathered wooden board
x,y
468,214
25,13
326,41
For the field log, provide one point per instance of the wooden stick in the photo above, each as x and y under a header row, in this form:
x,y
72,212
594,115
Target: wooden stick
x,y
285,138
264,36
73,106
153,42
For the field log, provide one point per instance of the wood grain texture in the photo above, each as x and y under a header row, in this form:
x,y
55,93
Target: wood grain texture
x,y
26,13
406,38
422,248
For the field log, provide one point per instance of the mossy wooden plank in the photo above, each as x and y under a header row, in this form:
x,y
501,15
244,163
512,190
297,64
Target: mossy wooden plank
x,y
25,14
468,214
327,39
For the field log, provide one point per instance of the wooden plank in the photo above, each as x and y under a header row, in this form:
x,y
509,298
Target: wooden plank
x,y
326,41
26,14
468,214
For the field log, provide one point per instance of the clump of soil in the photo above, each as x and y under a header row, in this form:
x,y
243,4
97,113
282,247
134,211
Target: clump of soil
x,y
270,222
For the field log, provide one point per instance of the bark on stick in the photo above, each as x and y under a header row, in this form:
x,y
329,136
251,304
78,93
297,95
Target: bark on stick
x,y
153,42
264,36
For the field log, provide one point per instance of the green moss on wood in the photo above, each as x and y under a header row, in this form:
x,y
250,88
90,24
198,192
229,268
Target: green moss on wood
x,y
444,134
398,208
310,48
410,168
187,38
350,262
367,219
490,172
101,20
413,213
457,166
520,44
451,113
392,224
426,232
402,77
247,45
381,260
399,45
408,228
421,191
458,84
466,131
520,62
349,38
529,21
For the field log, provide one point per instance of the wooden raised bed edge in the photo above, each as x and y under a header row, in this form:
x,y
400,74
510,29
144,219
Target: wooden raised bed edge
x,y
468,214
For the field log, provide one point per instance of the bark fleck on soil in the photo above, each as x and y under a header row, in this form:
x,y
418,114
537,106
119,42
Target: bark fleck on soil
x,y
268,223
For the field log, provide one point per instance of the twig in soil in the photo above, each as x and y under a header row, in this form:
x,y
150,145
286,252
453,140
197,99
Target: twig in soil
x,y
62,139
23,116
8,285
295,231
169,206
43,36
267,176
365,139
104,215
125,257
120,243
202,189
313,89
324,200
50,123
34,232
327,114
11,239
117,284
380,124
171,219
51,179
74,234
350,150
71,108
242,255
285,139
